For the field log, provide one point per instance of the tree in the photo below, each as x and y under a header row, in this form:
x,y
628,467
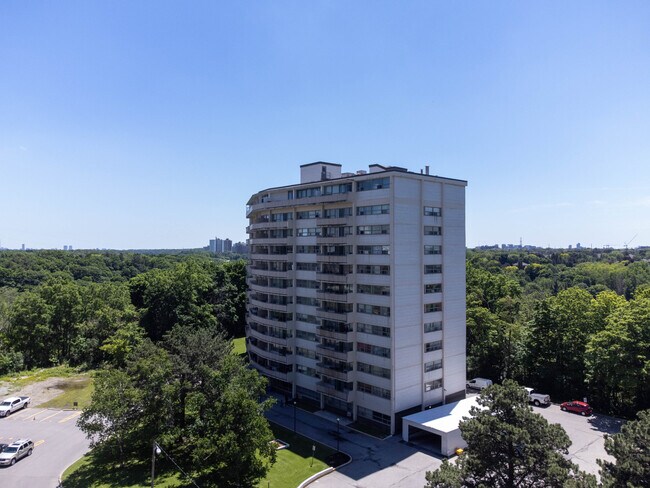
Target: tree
x,y
510,446
618,359
631,449
111,419
558,337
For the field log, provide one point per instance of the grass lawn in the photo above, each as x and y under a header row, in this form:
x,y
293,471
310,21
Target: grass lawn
x,y
294,464
75,389
239,346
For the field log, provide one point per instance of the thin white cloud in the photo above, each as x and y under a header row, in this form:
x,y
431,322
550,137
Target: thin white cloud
x,y
542,206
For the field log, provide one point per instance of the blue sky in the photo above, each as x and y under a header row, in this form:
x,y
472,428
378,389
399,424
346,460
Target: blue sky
x,y
149,124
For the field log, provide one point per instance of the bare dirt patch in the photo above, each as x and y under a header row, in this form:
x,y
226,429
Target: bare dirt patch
x,y
40,392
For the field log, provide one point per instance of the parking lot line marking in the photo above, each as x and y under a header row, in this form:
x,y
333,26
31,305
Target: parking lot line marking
x,y
19,416
70,417
38,443
53,415
34,415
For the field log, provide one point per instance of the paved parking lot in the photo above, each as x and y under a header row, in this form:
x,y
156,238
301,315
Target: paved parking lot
x,y
57,440
586,434
391,463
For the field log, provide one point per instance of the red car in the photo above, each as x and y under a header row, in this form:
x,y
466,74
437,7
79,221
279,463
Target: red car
x,y
577,407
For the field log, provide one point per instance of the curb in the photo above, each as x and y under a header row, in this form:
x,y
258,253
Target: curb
x,y
325,472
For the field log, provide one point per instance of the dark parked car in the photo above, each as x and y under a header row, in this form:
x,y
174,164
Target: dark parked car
x,y
577,407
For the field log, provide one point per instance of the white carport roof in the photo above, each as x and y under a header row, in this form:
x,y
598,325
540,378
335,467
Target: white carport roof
x,y
444,418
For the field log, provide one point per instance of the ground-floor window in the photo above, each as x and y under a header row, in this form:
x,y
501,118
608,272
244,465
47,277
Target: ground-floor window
x,y
369,414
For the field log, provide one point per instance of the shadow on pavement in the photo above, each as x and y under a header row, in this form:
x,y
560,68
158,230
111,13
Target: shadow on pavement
x,y
604,423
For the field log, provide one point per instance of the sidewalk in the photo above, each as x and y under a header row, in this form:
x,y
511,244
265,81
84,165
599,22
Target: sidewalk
x,y
375,463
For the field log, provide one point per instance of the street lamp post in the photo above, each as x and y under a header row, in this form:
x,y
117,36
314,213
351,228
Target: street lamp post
x,y
155,450
294,415
338,433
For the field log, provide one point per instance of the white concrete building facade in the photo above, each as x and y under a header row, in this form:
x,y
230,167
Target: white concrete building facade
x,y
357,290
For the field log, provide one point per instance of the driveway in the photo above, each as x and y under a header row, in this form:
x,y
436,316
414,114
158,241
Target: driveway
x,y
57,440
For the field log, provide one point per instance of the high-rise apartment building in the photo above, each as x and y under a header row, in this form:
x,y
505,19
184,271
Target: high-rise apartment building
x,y
357,290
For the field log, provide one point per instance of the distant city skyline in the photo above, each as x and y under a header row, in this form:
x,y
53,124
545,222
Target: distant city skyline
x,y
141,125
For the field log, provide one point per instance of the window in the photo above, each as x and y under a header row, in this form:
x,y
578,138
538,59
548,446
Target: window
x,y
433,346
434,249
307,371
373,390
432,307
373,370
432,268
374,289
383,352
313,302
432,230
373,269
374,184
306,249
308,336
433,211
432,365
378,417
306,266
433,288
308,192
307,232
373,309
433,326
432,385
308,214
335,189
339,231
307,284
373,249
281,217
373,229
337,213
374,210
310,319
373,329
307,353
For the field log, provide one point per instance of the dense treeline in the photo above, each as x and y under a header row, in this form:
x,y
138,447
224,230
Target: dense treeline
x,y
574,324
157,331
85,308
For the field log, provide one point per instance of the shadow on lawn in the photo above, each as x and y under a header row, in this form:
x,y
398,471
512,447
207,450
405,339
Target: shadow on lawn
x,y
98,471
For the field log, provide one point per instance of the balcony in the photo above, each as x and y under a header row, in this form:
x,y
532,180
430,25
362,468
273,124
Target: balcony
x,y
270,354
344,394
335,353
273,373
333,333
333,371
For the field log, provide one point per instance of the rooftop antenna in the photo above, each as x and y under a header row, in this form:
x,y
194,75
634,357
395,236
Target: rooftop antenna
x,y
628,242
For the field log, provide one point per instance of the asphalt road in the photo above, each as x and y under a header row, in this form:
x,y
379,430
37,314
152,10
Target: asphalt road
x,y
57,440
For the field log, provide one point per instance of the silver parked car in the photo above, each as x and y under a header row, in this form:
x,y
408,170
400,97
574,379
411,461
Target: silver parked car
x,y
16,451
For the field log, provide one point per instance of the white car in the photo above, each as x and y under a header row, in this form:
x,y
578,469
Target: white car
x,y
478,383
536,398
16,451
12,404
